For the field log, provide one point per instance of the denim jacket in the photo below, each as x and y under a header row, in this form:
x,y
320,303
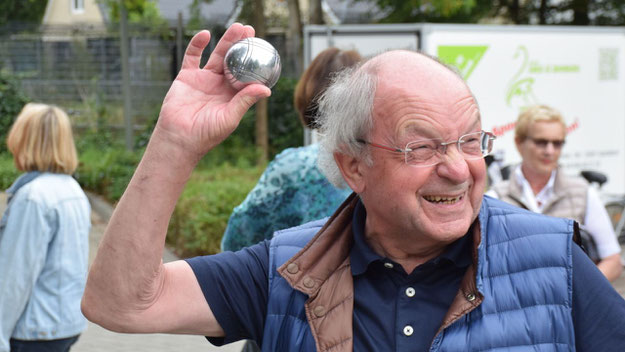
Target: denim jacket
x,y
44,252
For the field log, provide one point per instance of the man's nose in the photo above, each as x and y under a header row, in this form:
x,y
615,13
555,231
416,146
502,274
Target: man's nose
x,y
453,165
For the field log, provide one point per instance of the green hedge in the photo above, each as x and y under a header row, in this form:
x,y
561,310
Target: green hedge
x,y
12,99
107,172
8,172
202,212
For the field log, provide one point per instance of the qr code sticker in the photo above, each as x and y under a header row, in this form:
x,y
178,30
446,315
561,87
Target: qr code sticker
x,y
608,64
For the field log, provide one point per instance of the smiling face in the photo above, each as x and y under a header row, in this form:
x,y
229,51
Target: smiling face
x,y
434,204
540,158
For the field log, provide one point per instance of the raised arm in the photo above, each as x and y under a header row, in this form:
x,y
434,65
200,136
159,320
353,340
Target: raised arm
x,y
128,288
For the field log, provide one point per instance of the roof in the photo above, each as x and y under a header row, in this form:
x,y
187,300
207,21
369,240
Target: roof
x,y
224,12
217,12
352,11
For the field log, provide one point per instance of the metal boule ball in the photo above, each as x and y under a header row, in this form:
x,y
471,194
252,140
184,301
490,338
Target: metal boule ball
x,y
252,60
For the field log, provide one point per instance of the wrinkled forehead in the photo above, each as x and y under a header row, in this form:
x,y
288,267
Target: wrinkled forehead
x,y
412,86
406,67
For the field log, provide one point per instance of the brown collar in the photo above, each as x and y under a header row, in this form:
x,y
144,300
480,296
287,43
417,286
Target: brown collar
x,y
310,267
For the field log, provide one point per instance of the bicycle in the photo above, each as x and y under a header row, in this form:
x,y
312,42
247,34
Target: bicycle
x,y
614,205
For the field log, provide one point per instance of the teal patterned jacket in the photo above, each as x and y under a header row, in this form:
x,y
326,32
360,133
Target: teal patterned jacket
x,y
292,191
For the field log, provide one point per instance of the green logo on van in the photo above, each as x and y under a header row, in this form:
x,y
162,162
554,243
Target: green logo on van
x,y
464,57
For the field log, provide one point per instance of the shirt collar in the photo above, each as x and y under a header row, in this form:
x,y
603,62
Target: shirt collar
x,y
361,254
20,182
536,203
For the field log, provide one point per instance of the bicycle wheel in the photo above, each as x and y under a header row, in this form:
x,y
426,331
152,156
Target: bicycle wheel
x,y
616,212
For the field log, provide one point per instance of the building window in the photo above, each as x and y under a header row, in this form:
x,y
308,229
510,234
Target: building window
x,y
78,6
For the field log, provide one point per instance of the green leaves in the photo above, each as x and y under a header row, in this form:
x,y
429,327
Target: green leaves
x,y
401,11
12,100
203,210
30,11
143,12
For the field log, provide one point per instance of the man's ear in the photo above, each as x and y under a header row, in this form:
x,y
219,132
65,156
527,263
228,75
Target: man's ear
x,y
351,168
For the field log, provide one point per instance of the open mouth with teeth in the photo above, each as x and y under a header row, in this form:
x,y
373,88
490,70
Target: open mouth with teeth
x,y
442,200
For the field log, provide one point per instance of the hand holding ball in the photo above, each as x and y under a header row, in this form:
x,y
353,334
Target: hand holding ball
x,y
252,60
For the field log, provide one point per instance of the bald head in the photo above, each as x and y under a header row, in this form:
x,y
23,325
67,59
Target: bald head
x,y
423,72
388,62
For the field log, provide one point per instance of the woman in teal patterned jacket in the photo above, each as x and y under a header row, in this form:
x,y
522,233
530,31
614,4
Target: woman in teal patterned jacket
x,y
292,190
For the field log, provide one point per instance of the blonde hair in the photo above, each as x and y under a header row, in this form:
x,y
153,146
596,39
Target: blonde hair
x,y
41,140
536,113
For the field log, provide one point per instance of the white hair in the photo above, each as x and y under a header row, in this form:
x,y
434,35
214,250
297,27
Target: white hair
x,y
345,116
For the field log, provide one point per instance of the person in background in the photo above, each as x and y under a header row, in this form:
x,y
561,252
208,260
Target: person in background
x,y
44,237
539,185
292,190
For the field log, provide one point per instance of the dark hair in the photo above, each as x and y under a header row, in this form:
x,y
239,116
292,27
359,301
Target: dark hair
x,y
316,79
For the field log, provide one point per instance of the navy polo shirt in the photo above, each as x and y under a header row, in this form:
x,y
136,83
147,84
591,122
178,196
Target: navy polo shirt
x,y
421,298
395,310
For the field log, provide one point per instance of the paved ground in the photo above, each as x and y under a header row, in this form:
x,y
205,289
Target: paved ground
x,y
97,339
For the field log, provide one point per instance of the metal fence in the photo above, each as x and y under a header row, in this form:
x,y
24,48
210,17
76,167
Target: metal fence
x,y
80,69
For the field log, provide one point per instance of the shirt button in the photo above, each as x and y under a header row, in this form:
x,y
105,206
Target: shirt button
x,y
408,330
410,292
470,297
388,265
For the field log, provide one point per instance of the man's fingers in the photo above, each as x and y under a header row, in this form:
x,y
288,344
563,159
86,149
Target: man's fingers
x,y
193,54
247,97
249,31
234,33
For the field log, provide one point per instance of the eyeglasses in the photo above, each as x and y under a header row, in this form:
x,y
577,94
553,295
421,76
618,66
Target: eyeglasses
x,y
429,152
542,143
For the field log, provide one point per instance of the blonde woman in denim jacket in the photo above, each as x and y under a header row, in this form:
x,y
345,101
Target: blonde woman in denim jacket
x,y
44,243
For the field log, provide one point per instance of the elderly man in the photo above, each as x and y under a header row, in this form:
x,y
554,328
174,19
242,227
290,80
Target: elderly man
x,y
537,184
418,259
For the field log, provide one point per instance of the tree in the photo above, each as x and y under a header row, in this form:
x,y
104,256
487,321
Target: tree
x,y
196,20
143,12
12,102
409,11
28,11
315,12
566,12
562,12
262,139
294,36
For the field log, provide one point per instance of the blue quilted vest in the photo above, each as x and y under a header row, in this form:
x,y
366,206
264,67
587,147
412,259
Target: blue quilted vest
x,y
524,273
